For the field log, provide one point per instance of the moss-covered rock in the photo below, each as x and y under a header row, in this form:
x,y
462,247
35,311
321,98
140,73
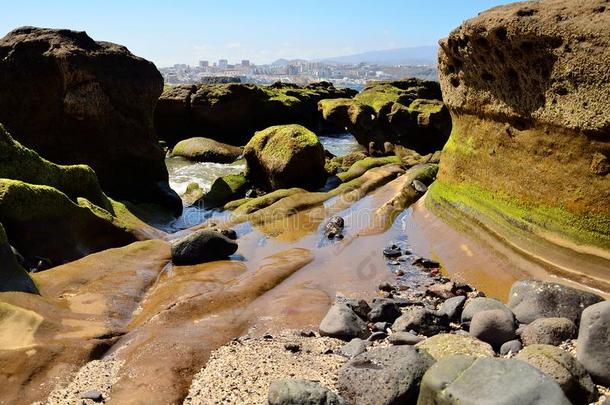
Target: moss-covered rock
x,y
285,156
361,166
224,189
12,276
206,150
446,344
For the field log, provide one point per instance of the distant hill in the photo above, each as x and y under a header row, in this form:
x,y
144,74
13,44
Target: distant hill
x,y
417,55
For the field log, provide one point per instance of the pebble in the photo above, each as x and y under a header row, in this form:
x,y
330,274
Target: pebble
x,y
93,395
392,251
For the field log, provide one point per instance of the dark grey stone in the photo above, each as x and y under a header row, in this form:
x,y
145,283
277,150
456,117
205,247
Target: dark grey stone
x,y
384,311
301,392
202,246
381,326
548,331
343,323
486,380
452,307
384,376
421,321
376,336
93,395
530,300
360,307
511,346
480,304
593,347
355,347
495,327
404,338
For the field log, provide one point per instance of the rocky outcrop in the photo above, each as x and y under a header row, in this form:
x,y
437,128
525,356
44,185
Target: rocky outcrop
x,y
407,112
285,156
75,100
232,112
528,87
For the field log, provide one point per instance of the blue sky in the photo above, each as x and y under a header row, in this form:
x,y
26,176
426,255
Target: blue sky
x,y
169,32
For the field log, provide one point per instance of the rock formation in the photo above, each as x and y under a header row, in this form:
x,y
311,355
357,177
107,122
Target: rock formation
x,y
231,113
75,100
528,88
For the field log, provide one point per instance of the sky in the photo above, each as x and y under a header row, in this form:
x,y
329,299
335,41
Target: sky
x,y
169,32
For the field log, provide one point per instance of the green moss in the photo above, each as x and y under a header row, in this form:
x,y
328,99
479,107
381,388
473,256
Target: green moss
x,y
255,204
361,166
426,106
286,140
587,229
380,95
225,189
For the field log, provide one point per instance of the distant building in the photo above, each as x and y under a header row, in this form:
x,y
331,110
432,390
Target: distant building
x,y
204,64
245,63
223,64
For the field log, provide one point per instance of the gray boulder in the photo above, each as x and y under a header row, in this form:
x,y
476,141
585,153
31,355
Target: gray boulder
x,y
486,381
355,347
202,246
513,346
384,376
384,311
453,307
343,323
422,321
404,338
360,307
548,331
495,327
301,392
563,368
530,300
480,304
593,347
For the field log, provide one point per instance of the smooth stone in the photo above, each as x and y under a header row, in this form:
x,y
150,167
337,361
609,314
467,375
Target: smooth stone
x,y
495,327
301,392
513,346
548,331
93,395
201,247
530,300
384,376
381,326
422,321
355,347
360,307
452,307
485,381
419,186
404,338
447,344
564,369
343,323
384,311
480,304
593,346
376,336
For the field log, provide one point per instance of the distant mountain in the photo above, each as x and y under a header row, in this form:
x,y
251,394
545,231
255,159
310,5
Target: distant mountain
x,y
417,55
285,62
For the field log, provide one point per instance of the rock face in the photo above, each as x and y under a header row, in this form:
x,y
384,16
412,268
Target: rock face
x,y
508,77
471,380
75,100
285,156
406,112
206,150
232,112
593,348
384,376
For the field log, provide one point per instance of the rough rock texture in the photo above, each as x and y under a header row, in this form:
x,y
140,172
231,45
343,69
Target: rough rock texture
x,y
12,276
202,246
593,347
343,323
384,376
231,113
206,150
528,86
75,100
484,380
422,321
548,331
447,344
531,299
285,156
224,189
405,112
301,392
480,304
563,368
494,326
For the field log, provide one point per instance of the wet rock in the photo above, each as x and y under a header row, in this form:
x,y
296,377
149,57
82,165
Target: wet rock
x,y
426,263
392,251
202,246
384,311
419,186
513,346
530,300
206,150
355,347
343,323
448,344
494,326
563,368
386,286
480,304
301,392
548,331
229,233
285,156
422,321
384,376
593,346
404,338
360,307
334,227
487,380
224,189
94,395
452,307
444,290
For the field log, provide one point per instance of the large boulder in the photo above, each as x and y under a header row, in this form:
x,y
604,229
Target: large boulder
x,y
75,100
531,299
449,344
480,304
593,347
12,276
384,376
232,112
548,331
494,326
285,156
528,86
301,392
485,380
206,150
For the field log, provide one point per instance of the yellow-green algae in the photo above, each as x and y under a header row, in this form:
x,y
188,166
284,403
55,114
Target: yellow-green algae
x,y
361,166
286,140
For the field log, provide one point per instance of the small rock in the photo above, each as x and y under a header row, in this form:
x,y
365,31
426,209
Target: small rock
x,y
495,327
353,348
426,263
301,392
343,323
360,307
548,331
334,227
419,186
384,311
443,291
376,336
202,246
480,304
381,326
386,286
447,344
593,347
404,338
292,347
392,251
93,395
453,307
422,321
512,346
